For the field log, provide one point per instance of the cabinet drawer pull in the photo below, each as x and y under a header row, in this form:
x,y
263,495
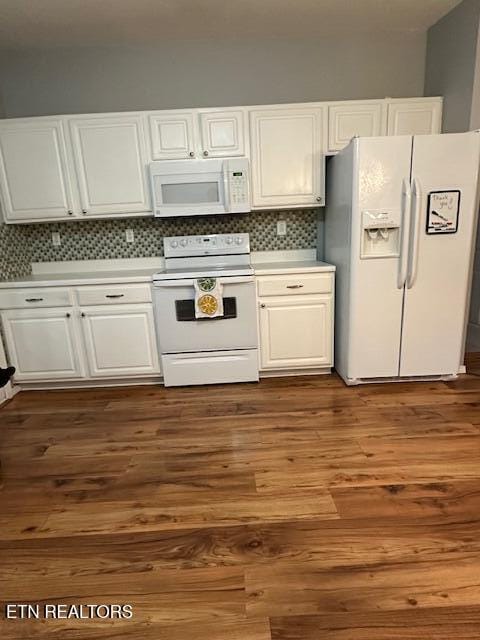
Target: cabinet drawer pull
x,y
67,315
83,315
114,295
294,286
33,299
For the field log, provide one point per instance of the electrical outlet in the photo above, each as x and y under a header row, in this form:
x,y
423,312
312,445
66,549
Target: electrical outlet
x,y
129,235
281,227
56,239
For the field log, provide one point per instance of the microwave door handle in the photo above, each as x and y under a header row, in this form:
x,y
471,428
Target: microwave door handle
x,y
226,187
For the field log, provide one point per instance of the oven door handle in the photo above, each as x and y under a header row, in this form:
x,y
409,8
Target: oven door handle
x,y
189,282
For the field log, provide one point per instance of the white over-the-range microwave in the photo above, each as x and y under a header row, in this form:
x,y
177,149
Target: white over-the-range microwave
x,y
200,187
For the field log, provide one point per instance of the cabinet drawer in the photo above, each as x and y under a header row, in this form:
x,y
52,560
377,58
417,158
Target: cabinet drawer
x,y
301,284
31,298
114,294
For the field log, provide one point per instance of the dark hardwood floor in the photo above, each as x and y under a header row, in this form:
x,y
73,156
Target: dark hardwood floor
x,y
295,509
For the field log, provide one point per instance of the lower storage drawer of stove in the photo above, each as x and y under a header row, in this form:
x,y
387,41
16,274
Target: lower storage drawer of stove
x,y
216,367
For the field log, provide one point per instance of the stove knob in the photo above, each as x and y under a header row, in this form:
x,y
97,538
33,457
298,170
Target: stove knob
x,y
239,240
174,244
183,242
229,240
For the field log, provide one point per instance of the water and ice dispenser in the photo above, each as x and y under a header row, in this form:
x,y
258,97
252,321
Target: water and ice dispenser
x,y
380,233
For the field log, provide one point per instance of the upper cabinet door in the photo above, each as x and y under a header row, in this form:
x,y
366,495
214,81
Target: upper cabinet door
x,y
172,135
354,119
223,133
34,177
288,165
414,116
111,161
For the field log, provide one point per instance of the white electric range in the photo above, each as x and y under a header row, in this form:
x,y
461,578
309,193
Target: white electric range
x,y
206,350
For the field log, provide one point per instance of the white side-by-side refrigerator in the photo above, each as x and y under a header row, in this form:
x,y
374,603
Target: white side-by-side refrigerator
x,y
400,227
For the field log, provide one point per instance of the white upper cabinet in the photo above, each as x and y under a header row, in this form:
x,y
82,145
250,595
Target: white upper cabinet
x,y
111,162
222,133
34,174
349,119
172,135
176,135
414,116
288,164
96,165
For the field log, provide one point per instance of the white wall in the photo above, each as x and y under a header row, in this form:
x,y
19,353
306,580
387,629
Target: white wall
x,y
211,73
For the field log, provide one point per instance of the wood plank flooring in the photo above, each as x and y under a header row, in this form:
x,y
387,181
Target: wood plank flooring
x,y
295,509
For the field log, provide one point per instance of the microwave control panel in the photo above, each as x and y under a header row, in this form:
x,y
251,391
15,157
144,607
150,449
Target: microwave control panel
x,y
237,175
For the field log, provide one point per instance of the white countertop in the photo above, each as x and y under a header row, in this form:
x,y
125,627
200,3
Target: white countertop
x,y
89,272
120,276
291,266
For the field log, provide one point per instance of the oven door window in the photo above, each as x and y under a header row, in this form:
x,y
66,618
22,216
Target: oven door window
x,y
185,310
188,193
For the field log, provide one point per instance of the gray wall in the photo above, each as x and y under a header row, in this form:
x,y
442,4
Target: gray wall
x,y
211,73
453,70
450,63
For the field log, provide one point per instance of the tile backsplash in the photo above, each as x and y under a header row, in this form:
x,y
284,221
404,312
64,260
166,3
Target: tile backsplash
x,y
103,239
14,252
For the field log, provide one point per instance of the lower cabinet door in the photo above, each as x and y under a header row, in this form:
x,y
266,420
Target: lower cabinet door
x,y
120,340
43,344
296,332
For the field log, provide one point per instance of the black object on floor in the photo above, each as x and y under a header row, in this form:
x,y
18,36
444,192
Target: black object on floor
x,y
5,375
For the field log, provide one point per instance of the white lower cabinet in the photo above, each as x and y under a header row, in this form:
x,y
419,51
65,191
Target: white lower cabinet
x,y
43,344
296,328
82,341
120,340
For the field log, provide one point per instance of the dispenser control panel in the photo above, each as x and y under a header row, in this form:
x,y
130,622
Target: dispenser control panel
x,y
381,219
380,233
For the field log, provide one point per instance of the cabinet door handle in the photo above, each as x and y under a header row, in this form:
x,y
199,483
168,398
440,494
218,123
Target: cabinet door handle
x,y
205,153
67,315
114,295
262,306
70,212
33,299
318,199
294,286
191,154
82,314
84,211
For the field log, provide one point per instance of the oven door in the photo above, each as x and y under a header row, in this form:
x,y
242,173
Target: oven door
x,y
179,332
188,194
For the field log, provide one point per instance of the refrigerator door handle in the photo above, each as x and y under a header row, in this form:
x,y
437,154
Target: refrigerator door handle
x,y
405,232
415,235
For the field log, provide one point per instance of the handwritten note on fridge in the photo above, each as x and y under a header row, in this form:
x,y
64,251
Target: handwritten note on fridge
x,y
443,211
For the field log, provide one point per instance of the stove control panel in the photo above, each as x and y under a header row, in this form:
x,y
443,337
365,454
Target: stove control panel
x,y
218,244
